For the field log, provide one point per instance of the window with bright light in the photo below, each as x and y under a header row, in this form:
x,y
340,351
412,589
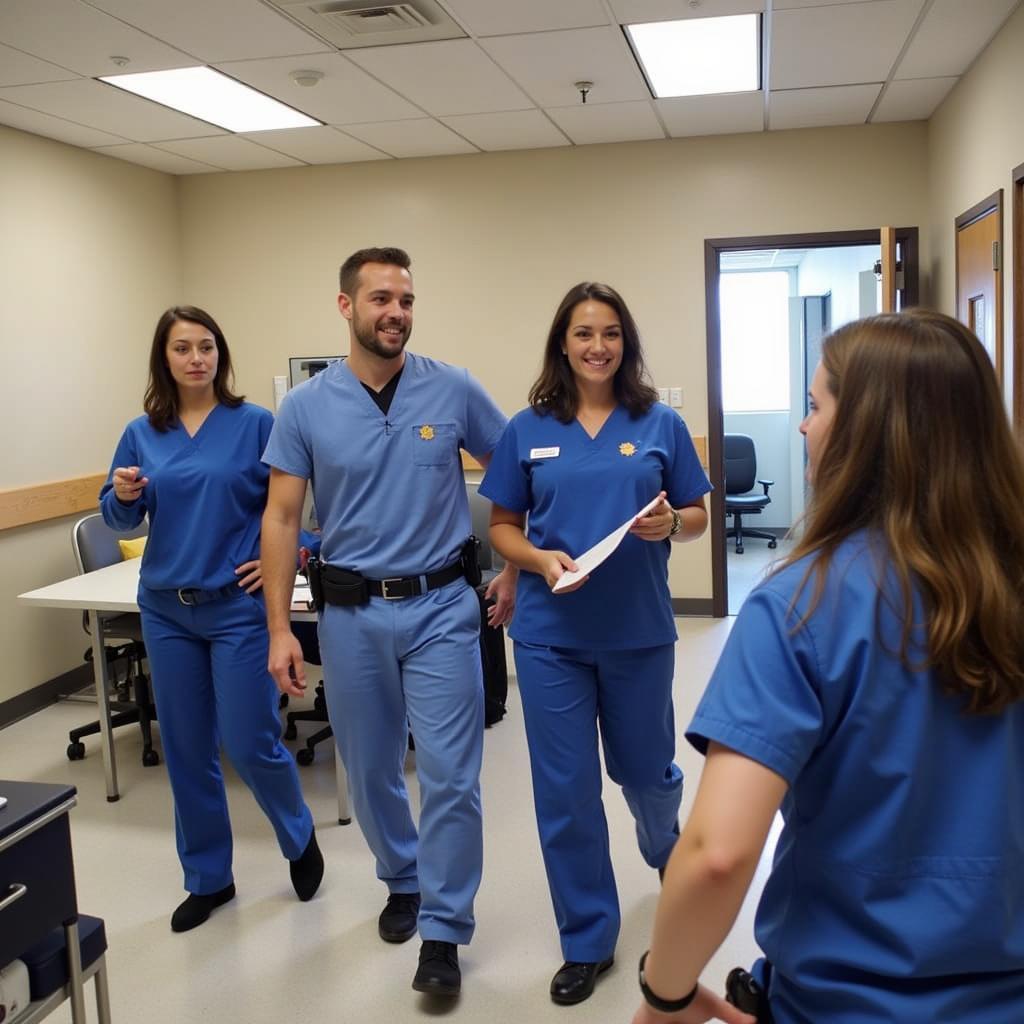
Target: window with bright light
x,y
698,56
754,310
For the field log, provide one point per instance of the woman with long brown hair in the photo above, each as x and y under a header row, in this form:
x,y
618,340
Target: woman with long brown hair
x,y
872,687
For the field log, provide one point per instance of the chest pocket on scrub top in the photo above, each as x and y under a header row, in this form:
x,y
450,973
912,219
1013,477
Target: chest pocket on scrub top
x,y
433,444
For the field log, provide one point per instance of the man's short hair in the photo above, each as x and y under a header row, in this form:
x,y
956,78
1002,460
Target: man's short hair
x,y
348,277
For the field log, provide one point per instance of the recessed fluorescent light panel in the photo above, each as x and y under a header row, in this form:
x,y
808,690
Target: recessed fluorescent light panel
x,y
213,97
698,56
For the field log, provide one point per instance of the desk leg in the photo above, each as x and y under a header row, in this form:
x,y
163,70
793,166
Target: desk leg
x,y
341,779
75,973
102,678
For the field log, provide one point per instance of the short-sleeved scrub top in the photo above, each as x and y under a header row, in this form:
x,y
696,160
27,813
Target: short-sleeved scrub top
x,y
205,496
388,488
576,490
897,892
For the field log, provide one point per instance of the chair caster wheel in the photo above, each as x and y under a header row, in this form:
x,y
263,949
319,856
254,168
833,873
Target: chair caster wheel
x,y
305,757
773,544
290,731
739,551
150,758
76,751
283,702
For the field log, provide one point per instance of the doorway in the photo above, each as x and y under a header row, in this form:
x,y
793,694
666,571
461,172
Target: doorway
x,y
769,302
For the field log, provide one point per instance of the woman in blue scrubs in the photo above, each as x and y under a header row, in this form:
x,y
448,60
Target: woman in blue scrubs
x,y
597,657
872,687
192,464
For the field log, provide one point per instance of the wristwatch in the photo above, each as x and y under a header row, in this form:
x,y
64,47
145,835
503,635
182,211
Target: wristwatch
x,y
677,523
664,1005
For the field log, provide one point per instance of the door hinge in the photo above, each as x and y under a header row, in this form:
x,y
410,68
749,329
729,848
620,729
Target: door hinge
x,y
995,256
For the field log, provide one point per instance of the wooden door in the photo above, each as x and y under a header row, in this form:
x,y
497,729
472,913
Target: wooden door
x,y
1018,299
979,291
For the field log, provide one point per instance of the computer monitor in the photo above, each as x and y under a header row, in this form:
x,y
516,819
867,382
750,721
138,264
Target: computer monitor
x,y
301,368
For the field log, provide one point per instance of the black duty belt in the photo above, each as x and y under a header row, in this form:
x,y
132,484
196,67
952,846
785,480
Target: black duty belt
x,y
398,587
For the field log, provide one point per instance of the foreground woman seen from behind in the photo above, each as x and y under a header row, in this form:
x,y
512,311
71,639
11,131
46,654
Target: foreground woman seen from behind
x,y
872,687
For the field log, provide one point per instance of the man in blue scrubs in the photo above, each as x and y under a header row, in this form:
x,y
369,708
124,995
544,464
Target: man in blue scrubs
x,y
379,434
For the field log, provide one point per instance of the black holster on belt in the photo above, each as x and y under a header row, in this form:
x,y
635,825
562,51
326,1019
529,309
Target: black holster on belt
x,y
469,556
744,992
331,585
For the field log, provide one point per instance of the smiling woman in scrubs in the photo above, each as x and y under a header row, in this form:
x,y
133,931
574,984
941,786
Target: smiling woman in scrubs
x,y
592,449
192,464
873,687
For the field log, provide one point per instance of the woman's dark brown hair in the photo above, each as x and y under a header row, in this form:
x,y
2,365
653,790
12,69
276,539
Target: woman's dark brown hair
x,y
555,393
161,401
920,452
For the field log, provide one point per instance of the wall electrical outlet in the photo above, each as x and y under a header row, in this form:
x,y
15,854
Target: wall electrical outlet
x,y
663,395
280,390
676,398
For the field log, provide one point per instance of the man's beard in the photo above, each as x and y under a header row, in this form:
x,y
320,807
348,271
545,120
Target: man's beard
x,y
365,333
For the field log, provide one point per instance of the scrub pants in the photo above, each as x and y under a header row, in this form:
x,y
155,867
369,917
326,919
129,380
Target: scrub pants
x,y
413,663
210,680
566,695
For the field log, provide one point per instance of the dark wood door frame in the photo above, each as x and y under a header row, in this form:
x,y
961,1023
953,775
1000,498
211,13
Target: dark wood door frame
x,y
907,238
1017,245
989,204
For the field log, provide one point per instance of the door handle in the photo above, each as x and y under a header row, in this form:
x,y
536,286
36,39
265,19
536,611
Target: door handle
x,y
14,893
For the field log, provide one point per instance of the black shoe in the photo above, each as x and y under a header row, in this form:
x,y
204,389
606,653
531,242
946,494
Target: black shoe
x,y
196,909
397,921
575,982
308,870
438,972
661,873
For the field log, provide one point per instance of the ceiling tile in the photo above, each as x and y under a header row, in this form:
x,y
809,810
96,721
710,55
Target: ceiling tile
x,y
317,145
17,68
952,34
712,115
421,137
511,129
630,12
499,17
77,36
453,76
157,159
547,64
109,109
913,100
780,5
53,127
839,45
230,152
814,108
345,95
222,30
607,122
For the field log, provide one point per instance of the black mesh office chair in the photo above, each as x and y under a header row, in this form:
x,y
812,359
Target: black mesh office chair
x,y
740,475
95,546
492,646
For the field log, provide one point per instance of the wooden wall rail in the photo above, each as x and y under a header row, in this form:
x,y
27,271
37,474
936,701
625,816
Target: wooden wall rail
x,y
35,503
20,506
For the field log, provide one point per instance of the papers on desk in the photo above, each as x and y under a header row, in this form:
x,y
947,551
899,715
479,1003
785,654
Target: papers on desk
x,y
302,599
593,557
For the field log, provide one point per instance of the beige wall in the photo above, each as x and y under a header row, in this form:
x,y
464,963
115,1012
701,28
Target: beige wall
x,y
497,239
975,140
89,255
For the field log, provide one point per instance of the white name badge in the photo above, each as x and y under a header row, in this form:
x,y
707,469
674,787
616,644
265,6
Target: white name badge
x,y
545,453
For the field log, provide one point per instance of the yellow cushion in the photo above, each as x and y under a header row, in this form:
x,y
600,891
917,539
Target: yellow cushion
x,y
132,548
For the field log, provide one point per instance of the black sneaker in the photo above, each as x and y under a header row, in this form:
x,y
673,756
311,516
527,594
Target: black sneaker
x,y
307,871
438,973
197,909
397,921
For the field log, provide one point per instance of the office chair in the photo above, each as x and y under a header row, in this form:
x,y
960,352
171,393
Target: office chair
x,y
95,546
740,475
492,646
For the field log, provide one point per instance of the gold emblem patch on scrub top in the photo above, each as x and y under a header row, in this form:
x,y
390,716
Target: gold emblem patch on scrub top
x,y
627,448
426,433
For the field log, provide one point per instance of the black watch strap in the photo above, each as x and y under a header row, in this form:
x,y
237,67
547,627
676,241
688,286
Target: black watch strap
x,y
664,1005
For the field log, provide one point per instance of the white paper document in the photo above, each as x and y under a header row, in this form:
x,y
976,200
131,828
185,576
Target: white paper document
x,y
593,557
301,596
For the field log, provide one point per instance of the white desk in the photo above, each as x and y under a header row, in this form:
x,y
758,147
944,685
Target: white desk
x,y
113,589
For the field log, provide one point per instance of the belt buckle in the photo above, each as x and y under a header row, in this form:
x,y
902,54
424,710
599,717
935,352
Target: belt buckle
x,y
384,589
189,601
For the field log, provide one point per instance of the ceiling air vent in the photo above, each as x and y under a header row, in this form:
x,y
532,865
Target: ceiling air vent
x,y
349,24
